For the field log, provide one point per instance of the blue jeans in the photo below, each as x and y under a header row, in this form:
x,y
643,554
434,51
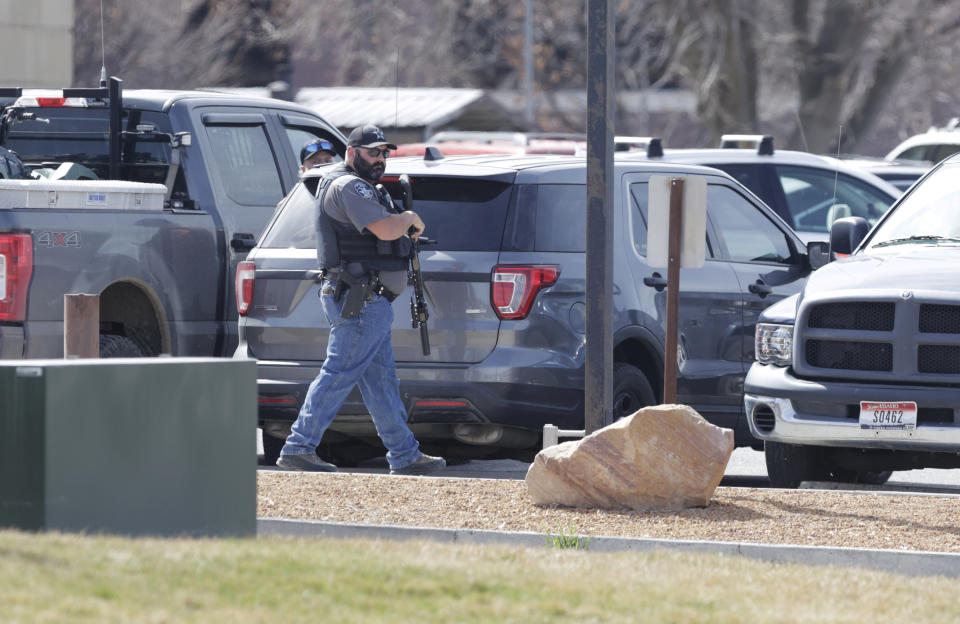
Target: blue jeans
x,y
359,352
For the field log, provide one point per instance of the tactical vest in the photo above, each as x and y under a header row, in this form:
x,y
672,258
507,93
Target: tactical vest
x,y
340,243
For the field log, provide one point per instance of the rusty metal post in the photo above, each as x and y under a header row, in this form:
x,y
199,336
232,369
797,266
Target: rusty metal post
x,y
674,248
598,368
81,326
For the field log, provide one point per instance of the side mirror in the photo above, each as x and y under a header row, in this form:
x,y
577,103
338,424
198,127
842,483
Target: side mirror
x,y
181,139
818,254
846,234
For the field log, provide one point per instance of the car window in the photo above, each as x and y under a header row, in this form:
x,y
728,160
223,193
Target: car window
x,y
246,164
745,233
548,217
639,200
82,137
927,215
639,197
939,152
460,215
811,195
918,152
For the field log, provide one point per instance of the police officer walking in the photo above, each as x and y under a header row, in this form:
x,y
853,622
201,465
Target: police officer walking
x,y
364,250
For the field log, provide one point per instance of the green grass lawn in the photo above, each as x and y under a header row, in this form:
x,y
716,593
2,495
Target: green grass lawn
x,y
71,578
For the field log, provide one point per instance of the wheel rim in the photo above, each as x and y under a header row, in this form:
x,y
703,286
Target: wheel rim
x,y
625,403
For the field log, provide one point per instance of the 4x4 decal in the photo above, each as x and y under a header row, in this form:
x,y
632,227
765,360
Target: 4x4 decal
x,y
58,239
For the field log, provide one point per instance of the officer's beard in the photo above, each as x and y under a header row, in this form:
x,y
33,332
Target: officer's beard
x,y
371,172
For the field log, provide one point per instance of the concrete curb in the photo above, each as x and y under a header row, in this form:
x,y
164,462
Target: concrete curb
x,y
909,562
912,563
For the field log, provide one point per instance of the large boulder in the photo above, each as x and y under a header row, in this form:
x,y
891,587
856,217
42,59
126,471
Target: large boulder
x,y
660,457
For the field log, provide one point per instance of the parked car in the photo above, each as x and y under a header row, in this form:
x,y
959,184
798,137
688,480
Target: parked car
x,y
900,173
806,190
931,146
164,272
507,295
858,374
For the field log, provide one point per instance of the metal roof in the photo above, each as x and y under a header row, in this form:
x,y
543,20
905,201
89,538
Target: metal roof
x,y
348,107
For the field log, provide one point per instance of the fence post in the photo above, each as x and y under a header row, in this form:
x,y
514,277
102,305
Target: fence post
x,y
81,326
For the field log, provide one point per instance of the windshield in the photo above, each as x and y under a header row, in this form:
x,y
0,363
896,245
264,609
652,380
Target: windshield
x,y
928,215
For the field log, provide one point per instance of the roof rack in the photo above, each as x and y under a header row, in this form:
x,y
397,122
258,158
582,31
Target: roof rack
x,y
763,143
109,90
653,145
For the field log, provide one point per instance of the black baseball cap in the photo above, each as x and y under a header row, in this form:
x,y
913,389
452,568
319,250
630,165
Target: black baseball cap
x,y
313,146
368,136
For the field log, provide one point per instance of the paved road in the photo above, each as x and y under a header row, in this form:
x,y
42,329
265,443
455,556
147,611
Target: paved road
x,y
745,469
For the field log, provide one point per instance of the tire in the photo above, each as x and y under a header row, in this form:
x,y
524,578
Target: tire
x,y
114,346
631,390
790,464
871,477
865,477
271,449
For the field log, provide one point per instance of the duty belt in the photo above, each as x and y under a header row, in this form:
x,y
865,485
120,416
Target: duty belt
x,y
365,287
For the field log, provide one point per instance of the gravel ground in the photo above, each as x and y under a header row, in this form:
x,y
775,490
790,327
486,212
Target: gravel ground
x,y
800,517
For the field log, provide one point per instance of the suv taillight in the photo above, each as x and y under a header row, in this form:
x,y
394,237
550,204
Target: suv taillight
x,y
16,267
514,287
244,285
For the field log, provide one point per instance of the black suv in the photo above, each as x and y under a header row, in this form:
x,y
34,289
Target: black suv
x,y
506,291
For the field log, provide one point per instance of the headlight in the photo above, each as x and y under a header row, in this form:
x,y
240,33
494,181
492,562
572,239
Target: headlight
x,y
774,344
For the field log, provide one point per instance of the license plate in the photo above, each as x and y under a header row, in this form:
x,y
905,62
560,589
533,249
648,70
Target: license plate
x,y
889,416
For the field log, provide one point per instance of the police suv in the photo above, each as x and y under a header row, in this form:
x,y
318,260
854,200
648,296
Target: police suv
x,y
506,291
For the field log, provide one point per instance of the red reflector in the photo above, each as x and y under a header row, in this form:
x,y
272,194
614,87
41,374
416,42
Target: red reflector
x,y
514,288
441,404
244,286
276,401
51,101
16,267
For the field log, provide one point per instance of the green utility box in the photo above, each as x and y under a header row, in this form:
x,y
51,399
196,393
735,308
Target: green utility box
x,y
146,446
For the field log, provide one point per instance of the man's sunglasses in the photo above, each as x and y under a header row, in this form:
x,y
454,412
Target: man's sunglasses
x,y
374,152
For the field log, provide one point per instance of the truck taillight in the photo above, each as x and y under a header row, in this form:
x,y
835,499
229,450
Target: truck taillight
x,y
244,286
16,267
49,99
514,287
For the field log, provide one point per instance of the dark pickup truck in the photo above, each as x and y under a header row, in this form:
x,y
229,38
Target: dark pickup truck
x,y
163,266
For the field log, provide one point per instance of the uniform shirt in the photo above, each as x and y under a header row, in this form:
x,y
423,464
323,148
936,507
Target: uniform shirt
x,y
353,200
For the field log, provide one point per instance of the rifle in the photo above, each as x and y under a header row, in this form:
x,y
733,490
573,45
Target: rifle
x,y
418,303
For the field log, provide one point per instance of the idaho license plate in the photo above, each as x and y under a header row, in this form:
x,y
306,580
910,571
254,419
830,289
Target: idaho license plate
x,y
888,416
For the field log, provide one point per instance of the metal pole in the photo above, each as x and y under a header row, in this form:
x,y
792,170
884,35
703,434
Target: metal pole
x,y
116,111
674,248
528,63
598,375
81,326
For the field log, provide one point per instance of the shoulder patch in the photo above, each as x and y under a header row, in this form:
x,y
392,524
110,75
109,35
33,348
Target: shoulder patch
x,y
363,190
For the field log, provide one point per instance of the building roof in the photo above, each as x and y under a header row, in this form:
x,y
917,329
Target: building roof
x,y
348,107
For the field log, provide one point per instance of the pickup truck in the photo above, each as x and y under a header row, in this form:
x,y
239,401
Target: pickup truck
x,y
859,373
163,268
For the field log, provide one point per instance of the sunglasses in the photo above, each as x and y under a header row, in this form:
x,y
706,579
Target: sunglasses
x,y
315,147
374,152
